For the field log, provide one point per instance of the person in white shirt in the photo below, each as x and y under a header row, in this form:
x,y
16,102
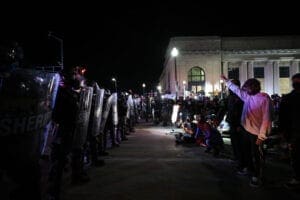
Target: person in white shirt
x,y
256,121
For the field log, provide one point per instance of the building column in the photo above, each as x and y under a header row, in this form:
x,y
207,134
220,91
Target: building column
x,y
250,69
243,71
276,76
269,77
294,67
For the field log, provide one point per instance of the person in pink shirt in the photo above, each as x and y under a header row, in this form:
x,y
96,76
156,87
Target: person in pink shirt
x,y
256,121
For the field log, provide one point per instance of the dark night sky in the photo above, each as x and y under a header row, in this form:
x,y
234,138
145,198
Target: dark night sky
x,y
112,39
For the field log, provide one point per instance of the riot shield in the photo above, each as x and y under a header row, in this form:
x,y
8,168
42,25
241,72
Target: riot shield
x,y
82,122
112,102
26,100
115,109
51,128
97,110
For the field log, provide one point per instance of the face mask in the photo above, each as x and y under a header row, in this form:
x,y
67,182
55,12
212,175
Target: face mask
x,y
296,85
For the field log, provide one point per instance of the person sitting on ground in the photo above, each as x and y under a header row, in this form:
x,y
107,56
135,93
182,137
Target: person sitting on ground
x,y
213,140
188,135
202,127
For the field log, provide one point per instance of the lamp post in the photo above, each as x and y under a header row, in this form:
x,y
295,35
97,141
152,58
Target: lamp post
x,y
144,85
222,70
174,54
115,81
60,40
184,83
222,88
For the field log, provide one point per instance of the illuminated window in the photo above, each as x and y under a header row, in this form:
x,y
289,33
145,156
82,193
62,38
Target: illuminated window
x,y
196,74
284,79
259,74
196,79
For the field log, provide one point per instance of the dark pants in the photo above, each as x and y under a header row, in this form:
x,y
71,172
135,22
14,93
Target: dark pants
x,y
295,158
237,139
122,127
254,155
61,148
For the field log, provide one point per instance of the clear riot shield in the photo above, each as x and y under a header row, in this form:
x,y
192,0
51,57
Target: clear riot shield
x,y
106,112
26,101
85,103
115,109
97,108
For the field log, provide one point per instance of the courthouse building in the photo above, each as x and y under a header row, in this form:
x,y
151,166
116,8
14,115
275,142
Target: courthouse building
x,y
196,69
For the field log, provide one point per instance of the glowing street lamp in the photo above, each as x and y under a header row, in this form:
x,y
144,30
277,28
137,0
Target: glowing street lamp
x,y
184,83
159,88
222,88
174,54
115,81
144,85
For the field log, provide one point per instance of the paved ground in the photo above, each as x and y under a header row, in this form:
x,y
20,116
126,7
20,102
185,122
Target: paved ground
x,y
150,166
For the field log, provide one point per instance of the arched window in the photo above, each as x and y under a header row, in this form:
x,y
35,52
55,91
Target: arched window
x,y
196,74
196,79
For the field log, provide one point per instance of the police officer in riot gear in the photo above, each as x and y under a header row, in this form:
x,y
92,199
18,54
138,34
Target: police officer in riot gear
x,y
25,99
65,115
122,110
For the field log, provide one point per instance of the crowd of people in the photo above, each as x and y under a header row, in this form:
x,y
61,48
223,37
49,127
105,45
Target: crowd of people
x,y
257,122
68,121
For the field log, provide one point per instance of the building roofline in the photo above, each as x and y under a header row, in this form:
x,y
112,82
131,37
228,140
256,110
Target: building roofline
x,y
187,38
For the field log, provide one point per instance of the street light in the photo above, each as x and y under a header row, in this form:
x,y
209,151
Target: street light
x,y
159,88
174,54
60,40
184,83
144,85
115,81
222,88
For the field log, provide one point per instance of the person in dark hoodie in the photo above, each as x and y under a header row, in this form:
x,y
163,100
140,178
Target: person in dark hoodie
x,y
234,113
289,125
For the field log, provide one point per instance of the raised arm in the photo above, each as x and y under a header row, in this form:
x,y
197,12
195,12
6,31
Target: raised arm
x,y
235,89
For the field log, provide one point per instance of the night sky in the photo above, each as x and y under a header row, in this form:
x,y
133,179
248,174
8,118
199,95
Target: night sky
x,y
131,37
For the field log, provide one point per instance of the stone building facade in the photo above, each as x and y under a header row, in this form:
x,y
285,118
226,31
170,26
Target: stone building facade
x,y
272,60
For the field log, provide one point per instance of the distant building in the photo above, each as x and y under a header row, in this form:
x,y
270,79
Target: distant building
x,y
200,61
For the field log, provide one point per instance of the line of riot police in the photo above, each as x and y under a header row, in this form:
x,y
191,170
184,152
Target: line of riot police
x,y
51,120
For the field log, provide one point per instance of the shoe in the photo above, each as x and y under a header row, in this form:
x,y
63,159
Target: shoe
x,y
255,182
203,145
292,184
242,172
